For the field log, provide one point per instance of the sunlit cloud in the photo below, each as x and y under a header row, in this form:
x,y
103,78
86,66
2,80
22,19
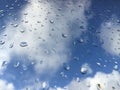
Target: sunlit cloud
x,y
6,86
100,81
110,36
37,86
4,60
43,34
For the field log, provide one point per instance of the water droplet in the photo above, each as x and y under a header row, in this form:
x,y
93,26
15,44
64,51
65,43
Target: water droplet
x,y
16,64
64,35
99,86
1,11
41,61
81,40
116,62
15,25
76,58
26,21
51,21
88,84
66,67
24,67
45,86
113,87
37,80
26,89
25,13
4,63
118,30
33,63
118,21
11,45
99,64
85,69
3,27
78,79
116,67
22,30
38,22
23,44
62,74
2,42
81,27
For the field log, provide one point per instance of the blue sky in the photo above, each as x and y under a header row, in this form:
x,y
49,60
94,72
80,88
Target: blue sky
x,y
59,45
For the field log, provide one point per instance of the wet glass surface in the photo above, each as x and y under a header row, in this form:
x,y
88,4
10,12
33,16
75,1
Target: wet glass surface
x,y
59,45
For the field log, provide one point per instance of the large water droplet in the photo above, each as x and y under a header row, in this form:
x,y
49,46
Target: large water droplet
x,y
2,42
85,69
4,63
45,86
23,44
64,35
22,30
51,21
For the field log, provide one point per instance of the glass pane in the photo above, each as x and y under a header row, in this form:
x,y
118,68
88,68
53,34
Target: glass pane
x,y
59,45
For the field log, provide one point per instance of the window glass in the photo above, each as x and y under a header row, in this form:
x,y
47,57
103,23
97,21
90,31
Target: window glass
x,y
59,45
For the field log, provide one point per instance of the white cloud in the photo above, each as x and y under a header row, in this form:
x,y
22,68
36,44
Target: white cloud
x,y
110,36
37,86
100,81
45,31
5,85
4,60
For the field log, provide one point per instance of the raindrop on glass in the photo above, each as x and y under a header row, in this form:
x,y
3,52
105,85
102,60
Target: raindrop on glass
x,y
23,44
2,42
16,64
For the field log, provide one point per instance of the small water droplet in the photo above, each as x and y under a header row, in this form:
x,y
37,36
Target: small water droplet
x,y
99,86
16,64
116,67
99,64
41,61
76,58
33,63
24,67
11,45
66,67
26,21
64,35
25,13
37,80
81,27
81,40
51,21
62,74
78,79
45,86
3,27
15,25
